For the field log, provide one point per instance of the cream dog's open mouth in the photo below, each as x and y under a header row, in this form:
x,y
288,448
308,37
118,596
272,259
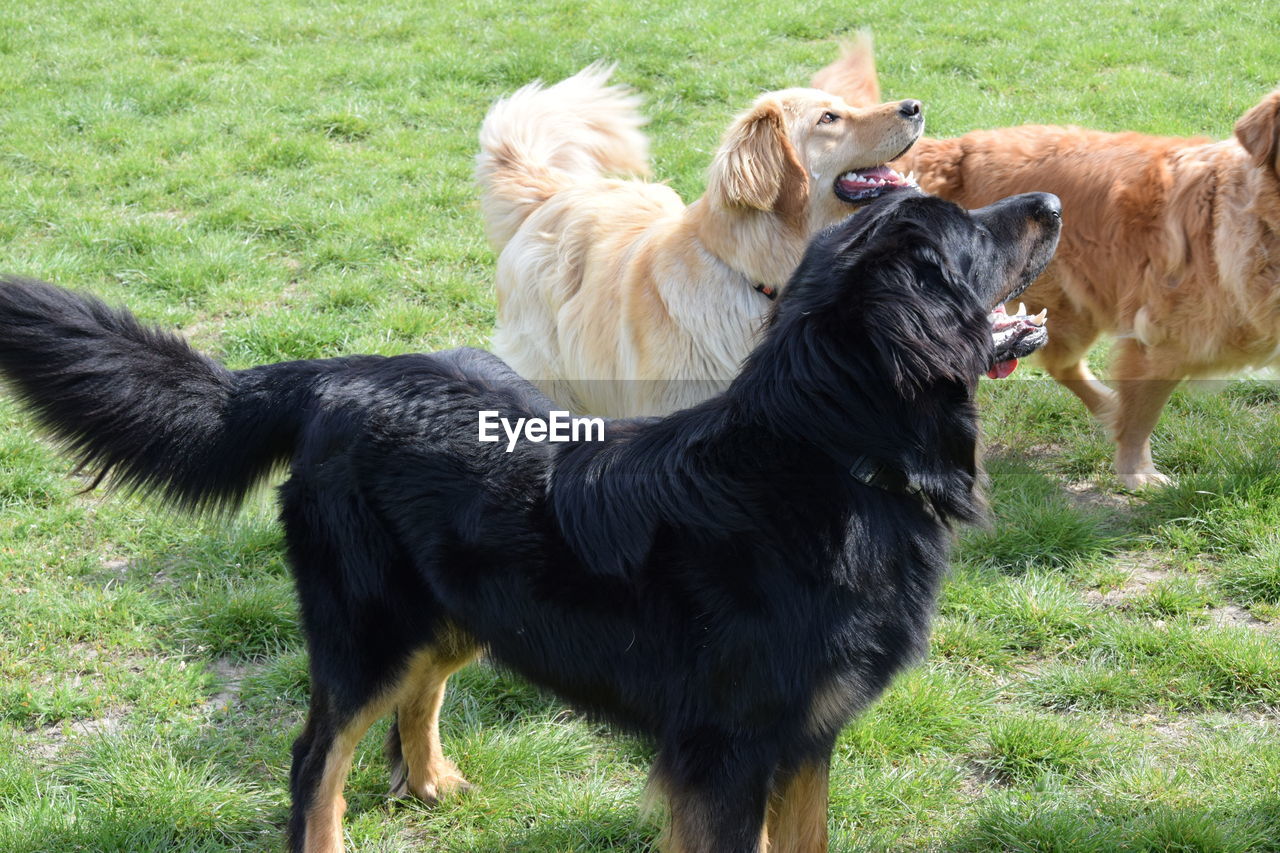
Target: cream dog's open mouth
x,y
858,185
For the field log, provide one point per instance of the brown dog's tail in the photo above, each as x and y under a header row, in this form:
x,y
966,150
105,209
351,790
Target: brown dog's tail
x,y
541,140
852,76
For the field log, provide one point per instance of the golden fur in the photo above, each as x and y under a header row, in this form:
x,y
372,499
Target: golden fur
x,y
1171,245
613,295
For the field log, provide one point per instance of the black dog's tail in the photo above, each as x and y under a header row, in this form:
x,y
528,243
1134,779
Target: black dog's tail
x,y
138,404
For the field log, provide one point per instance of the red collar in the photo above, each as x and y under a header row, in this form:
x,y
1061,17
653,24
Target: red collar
x,y
771,293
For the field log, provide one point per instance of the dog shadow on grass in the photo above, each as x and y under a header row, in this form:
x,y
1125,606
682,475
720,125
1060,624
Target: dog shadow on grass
x,y
1024,823
1041,521
619,833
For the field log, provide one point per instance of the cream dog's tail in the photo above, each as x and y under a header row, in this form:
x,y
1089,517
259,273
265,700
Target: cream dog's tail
x,y
541,140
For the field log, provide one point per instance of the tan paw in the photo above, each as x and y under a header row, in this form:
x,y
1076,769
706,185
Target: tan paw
x,y
449,783
1149,478
445,782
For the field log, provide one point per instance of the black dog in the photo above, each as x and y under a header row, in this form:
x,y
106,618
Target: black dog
x,y
734,581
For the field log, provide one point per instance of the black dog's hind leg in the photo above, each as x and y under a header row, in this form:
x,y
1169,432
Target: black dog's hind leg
x,y
798,809
418,764
321,760
718,800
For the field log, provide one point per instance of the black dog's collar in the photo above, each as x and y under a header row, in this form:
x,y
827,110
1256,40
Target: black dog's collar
x,y
770,293
875,472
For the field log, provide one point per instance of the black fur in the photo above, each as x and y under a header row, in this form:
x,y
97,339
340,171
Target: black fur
x,y
714,580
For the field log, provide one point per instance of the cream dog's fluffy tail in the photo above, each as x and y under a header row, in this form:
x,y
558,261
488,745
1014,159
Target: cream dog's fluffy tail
x,y
541,140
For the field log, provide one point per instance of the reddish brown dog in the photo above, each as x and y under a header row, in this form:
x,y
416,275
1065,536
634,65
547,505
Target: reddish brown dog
x,y
1171,245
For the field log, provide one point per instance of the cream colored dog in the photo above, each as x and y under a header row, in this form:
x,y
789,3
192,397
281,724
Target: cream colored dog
x,y
613,295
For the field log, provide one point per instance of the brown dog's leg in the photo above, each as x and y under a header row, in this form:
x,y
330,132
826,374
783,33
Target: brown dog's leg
x,y
798,810
418,765
1070,336
1079,380
1143,385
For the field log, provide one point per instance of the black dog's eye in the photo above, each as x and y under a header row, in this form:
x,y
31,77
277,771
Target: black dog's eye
x,y
828,118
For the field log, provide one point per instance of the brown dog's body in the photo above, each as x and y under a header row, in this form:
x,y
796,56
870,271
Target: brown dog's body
x,y
614,296
1171,245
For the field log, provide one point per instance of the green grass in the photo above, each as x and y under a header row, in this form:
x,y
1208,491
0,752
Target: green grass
x,y
290,179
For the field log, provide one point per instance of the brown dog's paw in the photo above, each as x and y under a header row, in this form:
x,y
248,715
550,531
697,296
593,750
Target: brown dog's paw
x,y
1147,479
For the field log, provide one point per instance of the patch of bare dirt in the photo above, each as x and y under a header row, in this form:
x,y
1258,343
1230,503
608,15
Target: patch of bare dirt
x,y
230,676
1145,571
1087,494
1178,728
1233,616
978,781
49,741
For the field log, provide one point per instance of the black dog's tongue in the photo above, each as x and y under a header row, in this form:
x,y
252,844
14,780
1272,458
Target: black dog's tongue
x,y
1015,336
1001,369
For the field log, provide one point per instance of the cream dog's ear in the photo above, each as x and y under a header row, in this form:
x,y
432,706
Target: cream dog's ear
x,y
1259,132
757,166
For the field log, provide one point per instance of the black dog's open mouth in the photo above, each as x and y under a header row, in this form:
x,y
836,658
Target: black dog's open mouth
x,y
1015,336
859,185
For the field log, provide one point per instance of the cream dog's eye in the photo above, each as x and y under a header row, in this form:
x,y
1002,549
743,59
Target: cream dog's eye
x,y
828,118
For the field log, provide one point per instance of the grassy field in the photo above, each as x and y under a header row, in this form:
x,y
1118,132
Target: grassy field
x,y
291,179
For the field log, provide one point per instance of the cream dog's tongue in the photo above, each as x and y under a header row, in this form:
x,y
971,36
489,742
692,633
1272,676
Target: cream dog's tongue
x,y
871,182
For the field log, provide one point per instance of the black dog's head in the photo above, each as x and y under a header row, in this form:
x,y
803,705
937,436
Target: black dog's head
x,y
911,280
876,346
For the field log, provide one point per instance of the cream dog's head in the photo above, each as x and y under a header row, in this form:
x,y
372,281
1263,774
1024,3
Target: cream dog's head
x,y
810,158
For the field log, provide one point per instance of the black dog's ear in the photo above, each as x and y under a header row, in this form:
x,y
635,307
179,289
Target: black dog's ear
x,y
932,340
923,321
614,542
868,226
607,511
612,505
